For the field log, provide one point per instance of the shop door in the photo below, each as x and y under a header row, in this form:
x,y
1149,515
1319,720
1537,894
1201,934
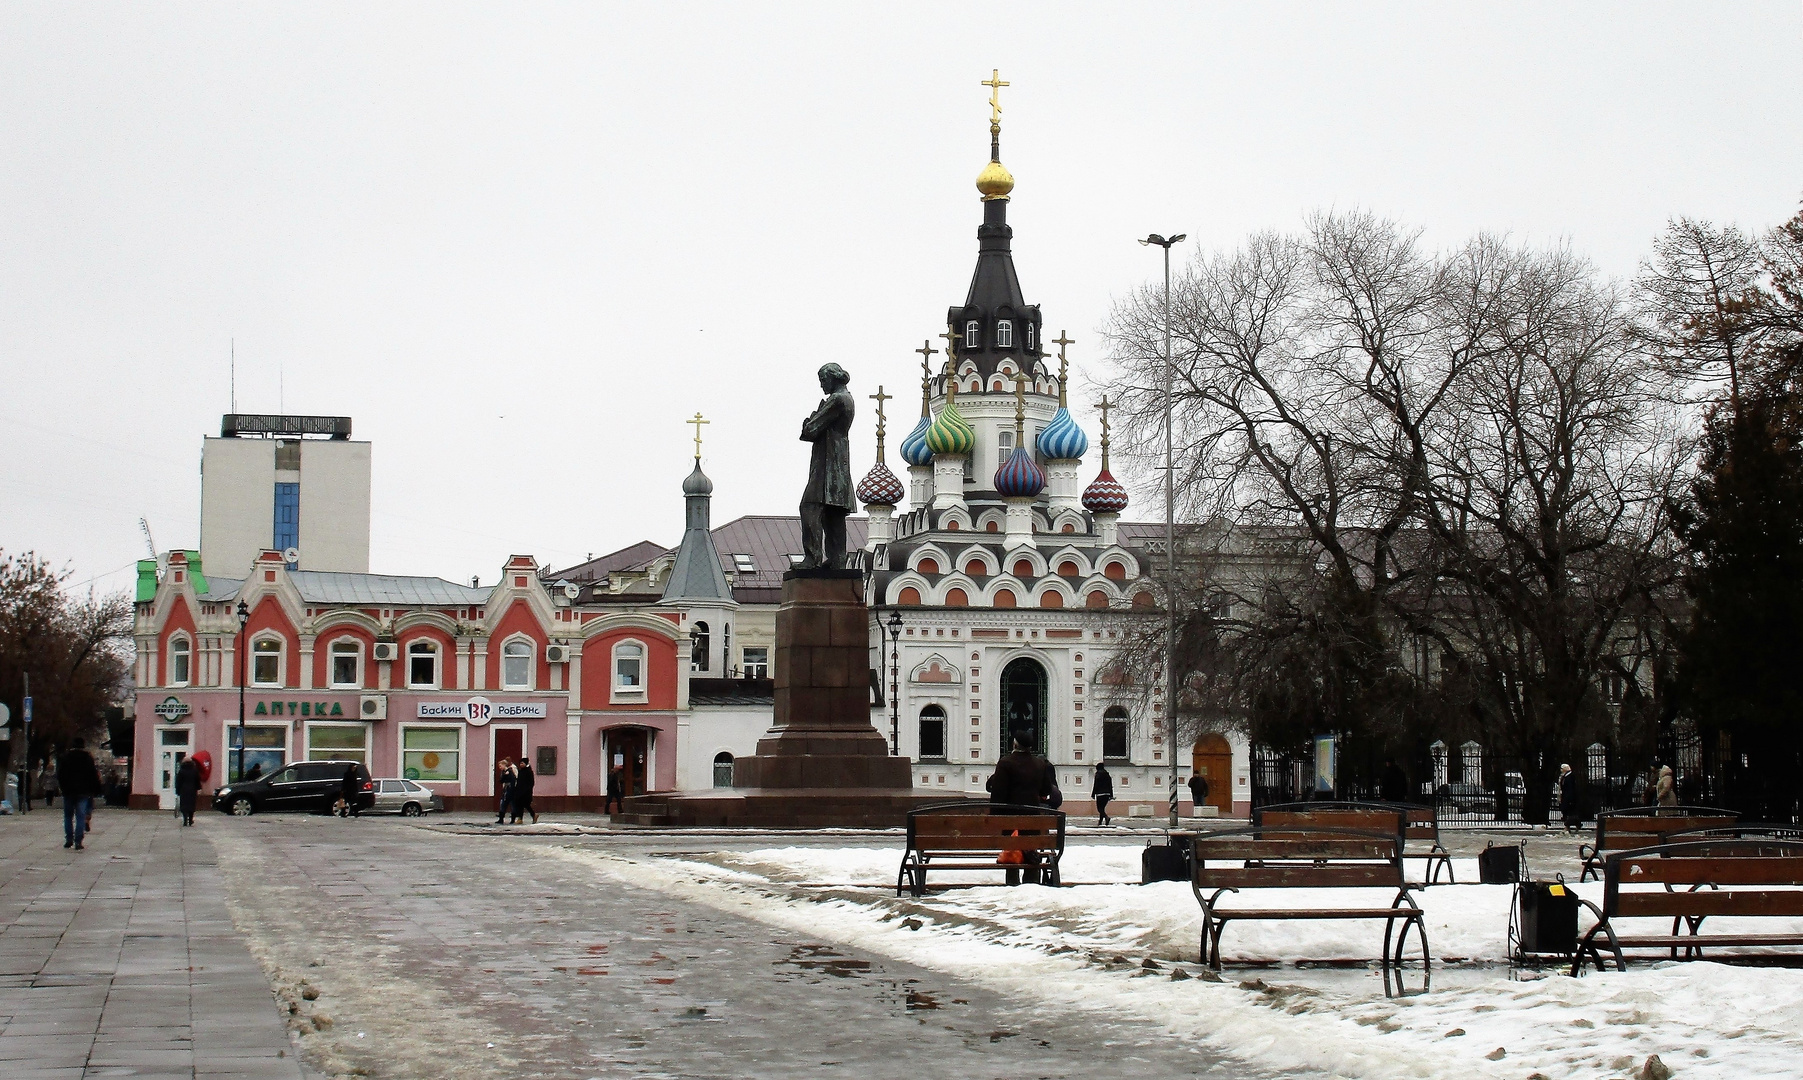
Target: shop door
x,y
510,745
1212,760
630,749
172,750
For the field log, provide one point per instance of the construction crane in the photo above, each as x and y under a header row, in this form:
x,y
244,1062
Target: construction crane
x,y
144,526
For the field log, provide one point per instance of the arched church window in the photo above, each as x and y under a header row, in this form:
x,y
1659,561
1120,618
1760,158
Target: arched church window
x,y
1004,445
1004,334
698,643
723,770
932,732
909,597
973,334
1029,337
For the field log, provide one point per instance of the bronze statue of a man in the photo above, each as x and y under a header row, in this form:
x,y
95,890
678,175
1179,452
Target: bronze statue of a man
x,y
829,496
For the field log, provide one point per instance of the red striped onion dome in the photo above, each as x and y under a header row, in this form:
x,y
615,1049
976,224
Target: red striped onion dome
x,y
880,487
1105,495
1020,477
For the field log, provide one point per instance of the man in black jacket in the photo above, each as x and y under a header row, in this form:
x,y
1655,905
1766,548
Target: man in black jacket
x,y
1021,778
522,792
80,782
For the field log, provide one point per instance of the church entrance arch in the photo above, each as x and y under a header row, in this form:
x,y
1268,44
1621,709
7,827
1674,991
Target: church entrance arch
x,y
1024,686
1212,759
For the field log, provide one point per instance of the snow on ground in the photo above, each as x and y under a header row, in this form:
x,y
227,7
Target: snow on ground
x,y
1084,946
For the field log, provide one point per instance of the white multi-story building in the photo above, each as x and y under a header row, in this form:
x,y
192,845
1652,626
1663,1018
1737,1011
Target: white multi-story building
x,y
292,484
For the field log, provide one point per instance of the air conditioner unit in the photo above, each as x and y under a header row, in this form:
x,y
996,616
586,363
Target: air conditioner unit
x,y
557,654
384,650
374,706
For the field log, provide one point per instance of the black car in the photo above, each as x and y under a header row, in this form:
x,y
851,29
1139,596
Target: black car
x,y
309,787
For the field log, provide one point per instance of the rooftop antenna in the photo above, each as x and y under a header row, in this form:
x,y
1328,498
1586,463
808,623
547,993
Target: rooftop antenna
x,y
234,376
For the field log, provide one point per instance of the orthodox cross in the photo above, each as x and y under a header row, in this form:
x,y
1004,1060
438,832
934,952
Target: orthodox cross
x,y
879,397
1104,407
995,84
951,364
1020,406
697,421
1063,365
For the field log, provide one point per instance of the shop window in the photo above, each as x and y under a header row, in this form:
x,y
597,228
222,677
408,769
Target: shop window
x,y
265,751
516,665
723,770
181,661
1114,734
932,732
338,742
431,753
347,660
422,665
266,662
629,668
757,662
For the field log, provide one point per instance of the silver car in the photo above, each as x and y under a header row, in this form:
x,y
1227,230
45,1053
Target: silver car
x,y
404,797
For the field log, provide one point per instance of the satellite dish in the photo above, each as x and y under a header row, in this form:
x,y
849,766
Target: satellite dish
x,y
291,555
572,591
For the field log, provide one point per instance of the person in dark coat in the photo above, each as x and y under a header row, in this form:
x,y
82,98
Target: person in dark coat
x,y
616,791
80,782
1568,799
1393,784
829,497
1102,791
352,789
523,782
187,788
1021,778
1198,791
504,778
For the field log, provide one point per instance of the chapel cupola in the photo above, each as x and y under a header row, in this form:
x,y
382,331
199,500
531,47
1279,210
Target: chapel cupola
x,y
995,322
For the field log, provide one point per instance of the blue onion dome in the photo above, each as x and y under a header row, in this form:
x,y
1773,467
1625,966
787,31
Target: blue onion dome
x,y
880,487
951,433
1062,439
914,448
1105,495
1020,477
697,482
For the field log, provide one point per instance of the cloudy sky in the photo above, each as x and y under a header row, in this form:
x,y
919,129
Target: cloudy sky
x,y
520,243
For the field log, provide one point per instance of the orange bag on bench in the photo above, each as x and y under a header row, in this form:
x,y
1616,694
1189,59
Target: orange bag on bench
x,y
1013,858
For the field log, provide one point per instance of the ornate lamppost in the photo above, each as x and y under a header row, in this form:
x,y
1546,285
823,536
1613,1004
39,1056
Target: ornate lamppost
x,y
243,621
1170,530
895,627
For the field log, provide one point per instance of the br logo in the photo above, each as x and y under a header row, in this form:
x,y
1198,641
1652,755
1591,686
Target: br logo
x,y
478,711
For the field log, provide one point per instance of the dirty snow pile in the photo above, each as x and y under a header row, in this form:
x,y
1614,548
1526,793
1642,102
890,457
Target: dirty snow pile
x,y
1128,949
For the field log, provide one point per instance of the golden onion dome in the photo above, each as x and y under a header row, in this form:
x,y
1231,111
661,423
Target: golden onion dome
x,y
995,181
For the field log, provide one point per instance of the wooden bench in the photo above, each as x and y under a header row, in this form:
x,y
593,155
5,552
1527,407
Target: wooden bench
x,y
1419,823
973,836
1748,877
1302,858
1643,826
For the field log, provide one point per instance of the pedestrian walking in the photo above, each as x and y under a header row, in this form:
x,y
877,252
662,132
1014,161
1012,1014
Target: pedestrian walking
x,y
616,791
524,780
52,785
350,788
187,788
1568,799
504,777
79,782
1102,791
1198,791
1668,788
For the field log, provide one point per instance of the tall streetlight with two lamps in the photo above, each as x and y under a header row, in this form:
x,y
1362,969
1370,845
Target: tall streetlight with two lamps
x,y
243,621
1170,527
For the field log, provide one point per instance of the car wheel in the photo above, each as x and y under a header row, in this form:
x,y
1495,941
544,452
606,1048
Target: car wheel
x,y
410,810
241,808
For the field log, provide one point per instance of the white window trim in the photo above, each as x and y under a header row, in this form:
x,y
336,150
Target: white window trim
x,y
463,757
1029,329
632,693
306,745
332,663
1004,334
169,661
531,682
437,663
281,658
973,334
745,663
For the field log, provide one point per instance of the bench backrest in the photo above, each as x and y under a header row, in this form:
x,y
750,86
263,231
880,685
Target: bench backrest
x,y
1297,857
1419,822
1736,877
968,828
1625,830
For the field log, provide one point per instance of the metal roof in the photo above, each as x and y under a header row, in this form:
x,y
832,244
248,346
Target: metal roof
x,y
322,587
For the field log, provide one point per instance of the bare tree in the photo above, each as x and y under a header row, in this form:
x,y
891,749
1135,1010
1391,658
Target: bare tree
x,y
1700,302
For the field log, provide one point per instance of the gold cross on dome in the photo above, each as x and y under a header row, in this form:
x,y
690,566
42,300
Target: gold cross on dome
x,y
879,397
1104,406
951,345
1063,366
995,84
697,421
927,352
1020,403
1061,341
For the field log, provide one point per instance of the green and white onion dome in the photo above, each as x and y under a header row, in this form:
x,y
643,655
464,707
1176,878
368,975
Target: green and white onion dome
x,y
951,433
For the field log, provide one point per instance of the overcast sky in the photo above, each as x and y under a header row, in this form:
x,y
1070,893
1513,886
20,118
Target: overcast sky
x,y
520,243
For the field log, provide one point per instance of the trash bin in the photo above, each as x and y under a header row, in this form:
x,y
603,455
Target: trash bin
x,y
1163,862
1548,918
1500,865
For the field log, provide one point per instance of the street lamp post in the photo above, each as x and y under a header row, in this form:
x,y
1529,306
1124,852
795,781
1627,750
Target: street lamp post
x,y
895,625
243,621
1170,529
